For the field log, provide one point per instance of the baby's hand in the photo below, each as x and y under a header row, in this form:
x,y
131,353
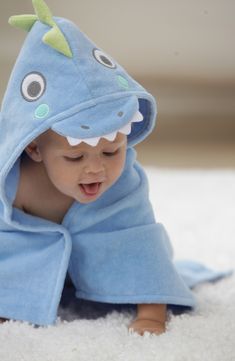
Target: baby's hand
x,y
140,325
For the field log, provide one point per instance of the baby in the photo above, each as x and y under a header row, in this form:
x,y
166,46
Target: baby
x,y
54,174
73,198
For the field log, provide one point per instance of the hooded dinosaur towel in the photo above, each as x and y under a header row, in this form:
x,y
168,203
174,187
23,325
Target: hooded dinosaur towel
x,y
112,248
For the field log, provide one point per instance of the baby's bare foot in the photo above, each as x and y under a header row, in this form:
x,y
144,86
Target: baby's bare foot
x,y
140,325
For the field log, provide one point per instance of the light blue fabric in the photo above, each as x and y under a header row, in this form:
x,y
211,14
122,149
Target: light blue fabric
x,y
195,273
113,248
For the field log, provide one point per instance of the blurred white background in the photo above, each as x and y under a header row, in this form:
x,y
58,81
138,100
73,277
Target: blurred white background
x,y
182,51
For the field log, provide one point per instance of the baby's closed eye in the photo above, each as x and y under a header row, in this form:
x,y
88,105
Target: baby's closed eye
x,y
110,154
73,159
107,154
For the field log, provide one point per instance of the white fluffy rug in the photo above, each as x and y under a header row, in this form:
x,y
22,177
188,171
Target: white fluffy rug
x,y
197,207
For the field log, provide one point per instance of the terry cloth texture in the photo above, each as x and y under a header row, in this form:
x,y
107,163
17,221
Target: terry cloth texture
x,y
113,248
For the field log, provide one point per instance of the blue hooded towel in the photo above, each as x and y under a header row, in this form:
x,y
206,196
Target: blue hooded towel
x,y
112,248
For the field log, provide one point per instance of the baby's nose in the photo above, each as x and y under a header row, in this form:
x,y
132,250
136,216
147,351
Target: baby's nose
x,y
94,165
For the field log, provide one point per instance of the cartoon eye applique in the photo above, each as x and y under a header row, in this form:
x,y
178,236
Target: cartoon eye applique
x,y
103,58
33,86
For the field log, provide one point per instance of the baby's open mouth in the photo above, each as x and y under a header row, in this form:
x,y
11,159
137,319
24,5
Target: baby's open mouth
x,y
90,189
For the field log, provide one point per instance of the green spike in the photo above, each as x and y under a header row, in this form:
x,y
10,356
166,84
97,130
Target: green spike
x,y
56,40
24,22
54,37
43,12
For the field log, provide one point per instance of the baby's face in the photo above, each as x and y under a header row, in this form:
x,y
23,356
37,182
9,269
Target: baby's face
x,y
82,172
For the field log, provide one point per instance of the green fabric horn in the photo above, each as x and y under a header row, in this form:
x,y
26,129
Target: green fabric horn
x,y
54,37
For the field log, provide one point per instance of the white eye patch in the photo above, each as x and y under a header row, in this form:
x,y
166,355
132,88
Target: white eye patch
x,y
103,58
33,86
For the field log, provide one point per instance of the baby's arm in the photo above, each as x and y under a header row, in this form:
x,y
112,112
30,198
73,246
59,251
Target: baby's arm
x,y
150,317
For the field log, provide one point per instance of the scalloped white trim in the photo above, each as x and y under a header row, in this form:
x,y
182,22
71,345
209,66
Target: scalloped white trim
x,y
126,129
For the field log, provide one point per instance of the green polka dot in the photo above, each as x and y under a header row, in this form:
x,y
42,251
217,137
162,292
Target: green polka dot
x,y
123,82
41,111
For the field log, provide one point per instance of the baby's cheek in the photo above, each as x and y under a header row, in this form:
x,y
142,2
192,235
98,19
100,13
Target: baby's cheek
x,y
117,168
68,176
121,162
61,174
65,183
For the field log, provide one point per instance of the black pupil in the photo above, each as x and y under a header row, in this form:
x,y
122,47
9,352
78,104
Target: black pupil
x,y
34,89
106,60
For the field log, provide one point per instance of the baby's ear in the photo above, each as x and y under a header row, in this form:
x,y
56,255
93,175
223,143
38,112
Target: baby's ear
x,y
33,151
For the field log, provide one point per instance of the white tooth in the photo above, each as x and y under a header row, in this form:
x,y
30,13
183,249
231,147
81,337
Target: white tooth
x,y
110,136
73,141
92,141
126,129
137,117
